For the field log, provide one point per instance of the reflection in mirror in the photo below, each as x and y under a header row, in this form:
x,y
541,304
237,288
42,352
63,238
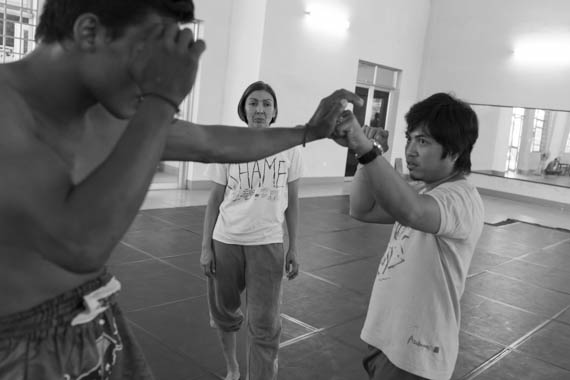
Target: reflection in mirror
x,y
523,143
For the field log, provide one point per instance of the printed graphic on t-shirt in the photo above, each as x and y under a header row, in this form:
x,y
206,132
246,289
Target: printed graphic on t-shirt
x,y
260,179
395,254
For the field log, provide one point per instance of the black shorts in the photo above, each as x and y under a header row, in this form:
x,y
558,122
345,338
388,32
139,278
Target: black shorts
x,y
59,340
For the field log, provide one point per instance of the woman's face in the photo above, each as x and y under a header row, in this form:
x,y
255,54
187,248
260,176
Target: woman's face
x,y
259,109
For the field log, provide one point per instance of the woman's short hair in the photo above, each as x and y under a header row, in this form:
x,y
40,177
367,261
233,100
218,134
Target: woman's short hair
x,y
256,86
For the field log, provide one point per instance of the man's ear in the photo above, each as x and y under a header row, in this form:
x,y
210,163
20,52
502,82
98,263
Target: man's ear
x,y
454,157
86,31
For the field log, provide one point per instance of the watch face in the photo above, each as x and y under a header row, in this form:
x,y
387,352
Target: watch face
x,y
377,145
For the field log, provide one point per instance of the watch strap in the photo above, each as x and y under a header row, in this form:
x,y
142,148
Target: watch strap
x,y
371,154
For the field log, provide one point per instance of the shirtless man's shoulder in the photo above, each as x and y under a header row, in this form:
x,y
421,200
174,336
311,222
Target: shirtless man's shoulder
x,y
25,158
35,180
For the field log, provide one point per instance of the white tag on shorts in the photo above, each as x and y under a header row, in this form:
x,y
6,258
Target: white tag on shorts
x,y
95,302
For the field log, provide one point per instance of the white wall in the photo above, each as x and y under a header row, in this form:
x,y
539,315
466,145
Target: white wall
x,y
469,50
304,65
483,154
503,133
216,24
246,33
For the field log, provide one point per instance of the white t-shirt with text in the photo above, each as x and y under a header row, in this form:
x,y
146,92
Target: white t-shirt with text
x,y
255,199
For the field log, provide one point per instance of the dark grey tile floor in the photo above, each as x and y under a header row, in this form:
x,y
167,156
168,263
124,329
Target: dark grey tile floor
x,y
515,316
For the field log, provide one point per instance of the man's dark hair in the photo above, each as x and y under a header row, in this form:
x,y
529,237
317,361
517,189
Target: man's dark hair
x,y
58,16
451,122
256,86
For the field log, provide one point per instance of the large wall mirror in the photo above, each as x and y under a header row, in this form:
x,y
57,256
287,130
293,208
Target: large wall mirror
x,y
526,144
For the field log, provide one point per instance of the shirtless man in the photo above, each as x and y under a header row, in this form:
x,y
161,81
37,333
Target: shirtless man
x,y
63,209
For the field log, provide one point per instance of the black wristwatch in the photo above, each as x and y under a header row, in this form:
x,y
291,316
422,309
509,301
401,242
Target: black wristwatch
x,y
371,154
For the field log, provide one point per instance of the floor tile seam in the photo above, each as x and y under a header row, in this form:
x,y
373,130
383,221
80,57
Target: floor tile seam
x,y
528,282
161,260
325,329
469,276
299,338
346,229
145,230
180,226
545,266
524,255
522,259
334,284
199,233
173,302
490,271
563,322
130,262
510,348
187,253
351,319
299,322
519,342
486,298
511,259
159,219
322,279
486,365
518,351
331,231
350,261
556,244
485,339
136,248
530,252
332,249
173,349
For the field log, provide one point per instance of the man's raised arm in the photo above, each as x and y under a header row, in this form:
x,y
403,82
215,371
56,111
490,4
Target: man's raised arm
x,y
216,143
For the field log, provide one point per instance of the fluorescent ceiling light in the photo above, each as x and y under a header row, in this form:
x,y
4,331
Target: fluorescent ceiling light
x,y
543,51
327,19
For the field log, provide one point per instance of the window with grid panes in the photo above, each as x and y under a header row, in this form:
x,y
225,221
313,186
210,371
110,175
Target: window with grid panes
x,y
538,130
18,20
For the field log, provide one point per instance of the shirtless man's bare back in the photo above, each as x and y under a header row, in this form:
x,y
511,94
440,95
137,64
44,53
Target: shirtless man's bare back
x,y
63,207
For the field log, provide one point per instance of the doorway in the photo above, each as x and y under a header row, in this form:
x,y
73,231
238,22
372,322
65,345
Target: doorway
x,y
378,86
372,113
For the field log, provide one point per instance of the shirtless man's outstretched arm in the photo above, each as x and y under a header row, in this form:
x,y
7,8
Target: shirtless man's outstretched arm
x,y
212,143
58,231
76,226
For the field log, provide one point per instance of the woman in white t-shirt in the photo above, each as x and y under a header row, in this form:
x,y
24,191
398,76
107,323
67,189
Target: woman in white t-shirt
x,y
242,247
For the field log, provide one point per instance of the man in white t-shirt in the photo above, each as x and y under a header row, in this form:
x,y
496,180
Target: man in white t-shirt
x,y
412,325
